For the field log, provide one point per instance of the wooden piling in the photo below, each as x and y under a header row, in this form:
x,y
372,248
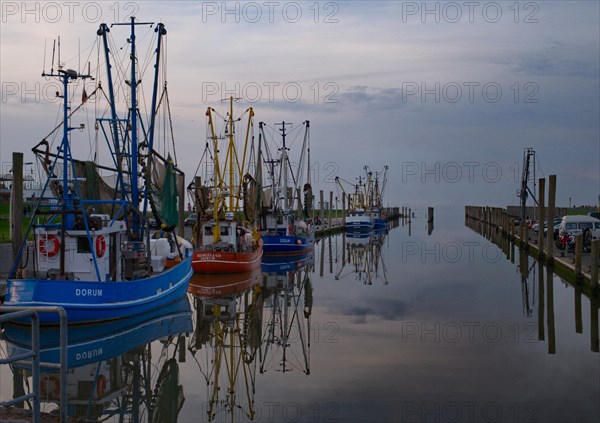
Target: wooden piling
x,y
322,206
344,208
578,254
551,205
542,213
330,206
594,262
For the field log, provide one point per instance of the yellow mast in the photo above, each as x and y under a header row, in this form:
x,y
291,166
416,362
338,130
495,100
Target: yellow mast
x,y
250,116
230,152
217,178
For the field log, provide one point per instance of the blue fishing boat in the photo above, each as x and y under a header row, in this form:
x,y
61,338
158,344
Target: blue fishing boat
x,y
357,217
287,230
90,250
374,199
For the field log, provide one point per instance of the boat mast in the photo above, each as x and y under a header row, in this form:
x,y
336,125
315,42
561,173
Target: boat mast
x,y
160,30
135,194
217,178
284,165
230,152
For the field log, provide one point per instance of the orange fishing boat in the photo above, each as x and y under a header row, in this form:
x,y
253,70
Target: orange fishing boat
x,y
237,248
228,242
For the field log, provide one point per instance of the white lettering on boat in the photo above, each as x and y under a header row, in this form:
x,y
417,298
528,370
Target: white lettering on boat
x,y
88,354
88,292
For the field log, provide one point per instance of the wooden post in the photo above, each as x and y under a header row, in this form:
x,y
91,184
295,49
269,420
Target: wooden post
x,y
578,254
16,226
322,257
542,213
594,263
344,208
330,206
521,234
551,203
321,214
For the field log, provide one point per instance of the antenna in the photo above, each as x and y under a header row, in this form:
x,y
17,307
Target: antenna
x,y
59,65
53,51
45,47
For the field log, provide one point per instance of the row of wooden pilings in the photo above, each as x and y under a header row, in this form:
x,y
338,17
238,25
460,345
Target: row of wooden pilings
x,y
543,250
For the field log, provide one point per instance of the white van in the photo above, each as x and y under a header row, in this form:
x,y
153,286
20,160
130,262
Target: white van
x,y
575,224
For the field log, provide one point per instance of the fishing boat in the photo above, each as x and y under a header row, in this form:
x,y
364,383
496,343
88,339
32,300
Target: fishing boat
x,y
228,241
357,218
374,199
287,230
91,250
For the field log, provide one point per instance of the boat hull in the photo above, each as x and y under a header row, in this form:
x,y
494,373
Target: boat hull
x,y
226,261
87,302
287,244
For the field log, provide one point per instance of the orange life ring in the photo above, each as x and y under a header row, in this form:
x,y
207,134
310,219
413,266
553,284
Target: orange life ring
x,y
54,392
100,246
101,386
48,245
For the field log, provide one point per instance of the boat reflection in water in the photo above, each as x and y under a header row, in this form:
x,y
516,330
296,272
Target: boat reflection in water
x,y
288,297
111,370
226,339
243,327
362,255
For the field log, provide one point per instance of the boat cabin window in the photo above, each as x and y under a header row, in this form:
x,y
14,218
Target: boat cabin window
x,y
586,225
224,230
571,226
83,245
208,230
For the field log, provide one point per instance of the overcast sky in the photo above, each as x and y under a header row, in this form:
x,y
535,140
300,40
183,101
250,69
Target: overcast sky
x,y
447,94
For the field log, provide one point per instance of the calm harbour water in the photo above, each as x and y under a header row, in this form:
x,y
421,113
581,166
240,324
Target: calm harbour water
x,y
406,327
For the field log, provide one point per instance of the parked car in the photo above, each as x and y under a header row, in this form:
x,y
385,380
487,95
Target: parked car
x,y
191,219
575,224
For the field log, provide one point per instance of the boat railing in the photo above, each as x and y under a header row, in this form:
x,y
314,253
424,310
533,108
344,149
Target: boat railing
x,y
32,357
